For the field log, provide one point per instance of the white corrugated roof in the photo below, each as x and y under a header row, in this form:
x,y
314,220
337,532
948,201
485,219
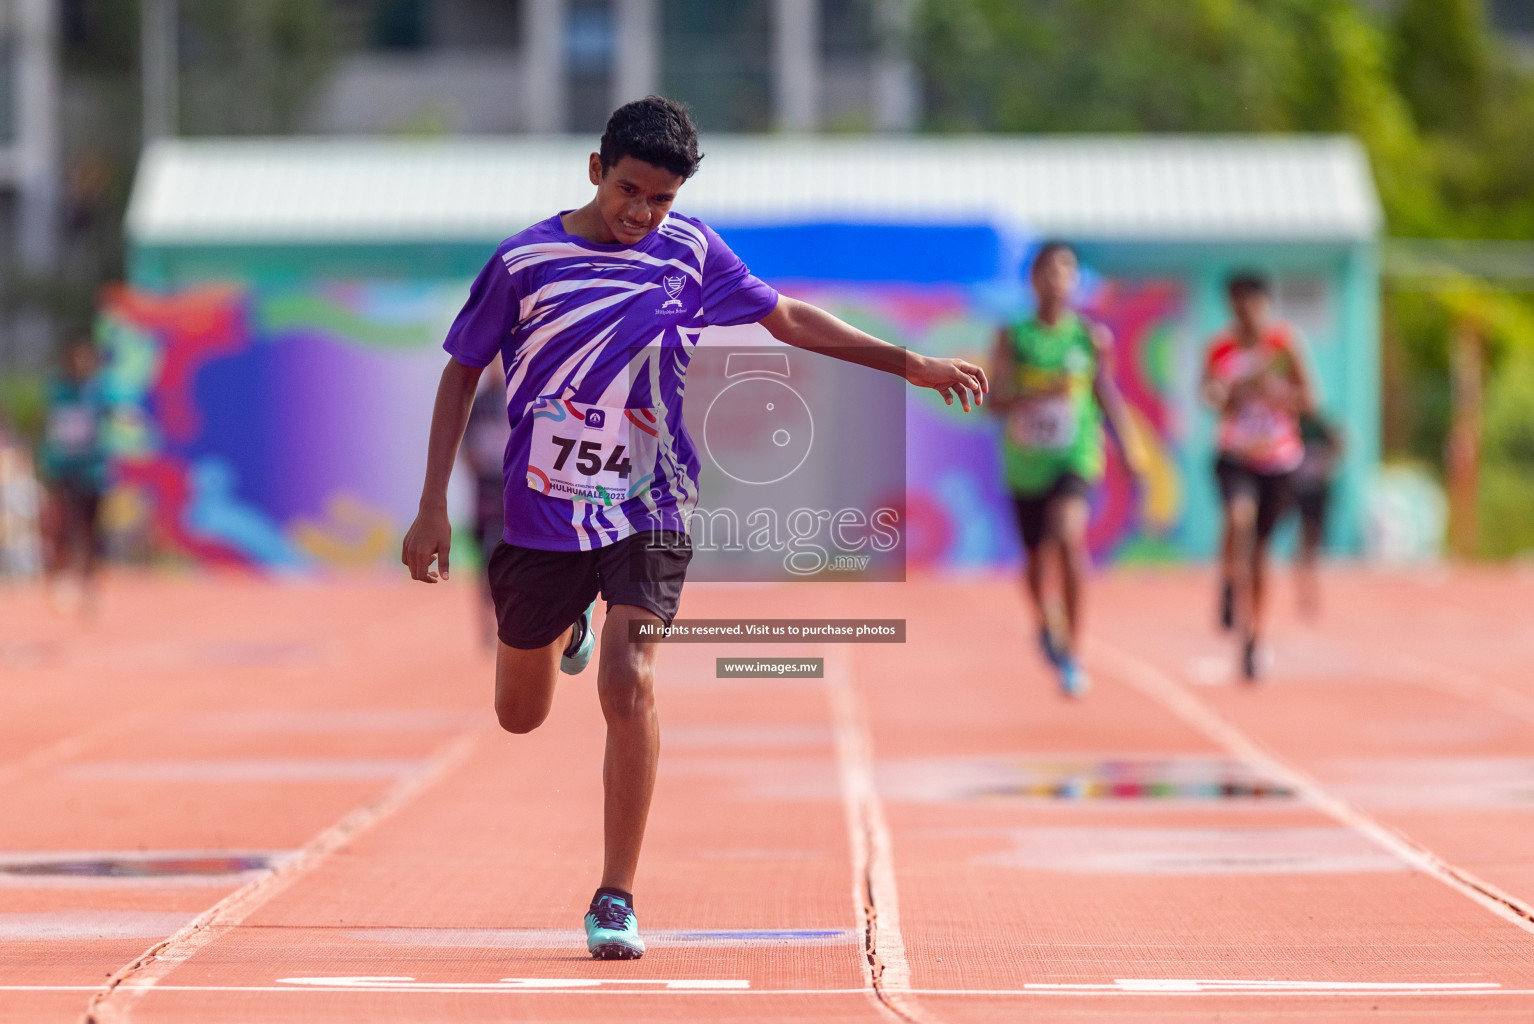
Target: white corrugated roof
x,y
1123,187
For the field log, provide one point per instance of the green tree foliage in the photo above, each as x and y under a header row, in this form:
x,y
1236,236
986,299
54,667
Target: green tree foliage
x,y
1476,109
1443,60
1445,115
1417,326
1077,65
1192,66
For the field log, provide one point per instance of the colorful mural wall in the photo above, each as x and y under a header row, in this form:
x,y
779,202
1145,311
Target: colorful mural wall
x,y
281,429
284,427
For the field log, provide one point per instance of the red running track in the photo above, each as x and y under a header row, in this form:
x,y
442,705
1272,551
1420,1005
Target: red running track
x,y
294,795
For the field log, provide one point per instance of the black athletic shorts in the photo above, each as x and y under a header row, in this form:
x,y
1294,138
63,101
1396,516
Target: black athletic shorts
x,y
1032,510
538,594
1274,492
79,505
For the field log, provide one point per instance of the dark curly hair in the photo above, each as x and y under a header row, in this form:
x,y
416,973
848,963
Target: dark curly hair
x,y
1046,252
1247,282
655,130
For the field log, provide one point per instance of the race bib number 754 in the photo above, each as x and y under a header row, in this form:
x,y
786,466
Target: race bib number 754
x,y
591,453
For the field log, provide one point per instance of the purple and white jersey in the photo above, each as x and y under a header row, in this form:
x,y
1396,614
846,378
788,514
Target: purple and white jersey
x,y
596,339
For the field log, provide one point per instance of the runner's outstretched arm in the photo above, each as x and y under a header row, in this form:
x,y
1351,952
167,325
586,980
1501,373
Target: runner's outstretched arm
x,y
809,327
431,534
1111,399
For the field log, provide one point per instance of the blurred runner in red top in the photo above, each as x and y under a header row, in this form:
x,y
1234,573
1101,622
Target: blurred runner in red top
x,y
1255,377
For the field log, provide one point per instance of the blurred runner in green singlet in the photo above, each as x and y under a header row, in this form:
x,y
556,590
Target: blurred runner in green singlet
x,y
1054,385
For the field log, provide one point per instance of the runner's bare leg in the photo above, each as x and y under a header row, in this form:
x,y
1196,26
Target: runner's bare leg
x,y
1035,576
524,684
1242,516
1071,515
1259,572
626,686
1227,546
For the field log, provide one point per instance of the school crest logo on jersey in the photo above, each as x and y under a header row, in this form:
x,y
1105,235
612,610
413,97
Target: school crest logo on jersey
x,y
674,290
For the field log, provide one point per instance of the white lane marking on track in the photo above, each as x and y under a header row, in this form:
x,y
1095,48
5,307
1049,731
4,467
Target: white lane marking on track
x,y
1158,985
565,938
874,894
288,769
734,736
1468,686
1163,689
1425,783
1326,849
392,983
70,746
367,720
1210,670
162,958
1123,987
88,925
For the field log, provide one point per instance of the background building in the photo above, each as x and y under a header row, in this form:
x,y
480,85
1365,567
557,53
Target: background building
x,y
29,171
492,66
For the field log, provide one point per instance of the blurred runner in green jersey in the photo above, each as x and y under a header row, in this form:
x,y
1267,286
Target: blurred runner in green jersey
x,y
1054,386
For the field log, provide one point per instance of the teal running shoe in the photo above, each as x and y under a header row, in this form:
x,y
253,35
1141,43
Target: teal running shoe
x,y
1074,681
612,930
582,642
1051,647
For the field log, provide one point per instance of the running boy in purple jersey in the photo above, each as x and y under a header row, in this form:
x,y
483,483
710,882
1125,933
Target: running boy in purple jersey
x,y
595,313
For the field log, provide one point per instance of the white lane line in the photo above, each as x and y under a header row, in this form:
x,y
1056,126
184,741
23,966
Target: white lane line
x,y
62,750
1123,987
1163,689
251,769
88,925
874,895
113,1002
392,983
1264,991
1466,685
1256,985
